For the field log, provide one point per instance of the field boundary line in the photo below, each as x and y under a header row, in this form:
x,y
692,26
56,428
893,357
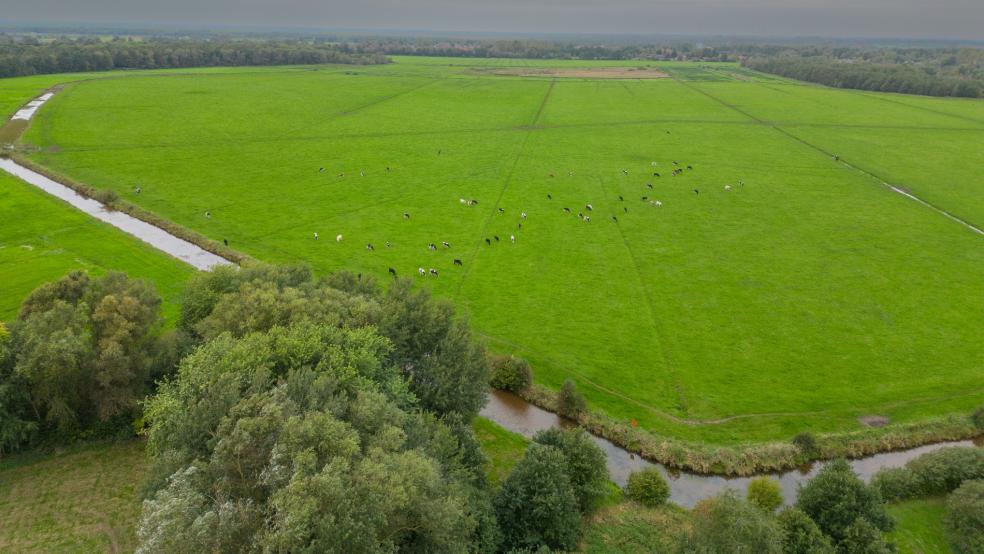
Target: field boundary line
x,y
894,188
543,104
868,94
692,422
358,108
658,334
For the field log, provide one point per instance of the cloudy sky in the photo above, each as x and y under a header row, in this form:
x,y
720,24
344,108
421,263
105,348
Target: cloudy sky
x,y
954,19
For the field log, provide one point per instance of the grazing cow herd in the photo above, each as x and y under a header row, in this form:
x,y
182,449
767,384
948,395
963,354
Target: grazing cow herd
x,y
499,210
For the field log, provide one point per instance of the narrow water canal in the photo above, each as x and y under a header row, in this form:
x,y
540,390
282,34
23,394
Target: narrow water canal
x,y
686,489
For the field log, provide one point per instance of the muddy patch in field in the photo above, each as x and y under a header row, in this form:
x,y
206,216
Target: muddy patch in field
x,y
874,420
584,73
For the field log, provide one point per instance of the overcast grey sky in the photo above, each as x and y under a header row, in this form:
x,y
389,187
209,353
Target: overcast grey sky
x,y
955,19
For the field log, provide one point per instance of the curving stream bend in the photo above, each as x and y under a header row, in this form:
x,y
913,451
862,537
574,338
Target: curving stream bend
x,y
686,489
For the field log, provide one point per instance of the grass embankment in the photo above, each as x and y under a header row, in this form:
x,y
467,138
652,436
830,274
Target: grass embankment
x,y
631,528
503,448
804,299
78,499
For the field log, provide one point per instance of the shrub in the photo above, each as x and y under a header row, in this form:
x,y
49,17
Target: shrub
x,y
800,534
964,518
943,470
648,486
765,493
586,464
106,197
978,418
836,498
861,537
511,374
895,483
806,443
536,505
570,403
727,524
933,473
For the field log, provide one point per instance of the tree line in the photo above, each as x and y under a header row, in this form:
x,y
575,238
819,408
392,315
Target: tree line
x,y
28,56
929,72
539,49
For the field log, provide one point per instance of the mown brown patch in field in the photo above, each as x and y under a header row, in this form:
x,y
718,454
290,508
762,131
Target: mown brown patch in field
x,y
585,73
12,130
874,420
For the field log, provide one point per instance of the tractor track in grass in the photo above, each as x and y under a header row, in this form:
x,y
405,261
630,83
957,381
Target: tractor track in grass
x,y
658,334
867,94
898,189
505,186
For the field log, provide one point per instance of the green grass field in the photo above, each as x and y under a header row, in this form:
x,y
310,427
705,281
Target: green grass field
x,y
919,526
43,239
808,297
502,447
79,499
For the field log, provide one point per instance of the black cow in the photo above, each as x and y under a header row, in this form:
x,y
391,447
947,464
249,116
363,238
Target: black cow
x,y
496,237
697,192
488,242
549,197
567,210
370,247
392,272
650,185
457,261
406,215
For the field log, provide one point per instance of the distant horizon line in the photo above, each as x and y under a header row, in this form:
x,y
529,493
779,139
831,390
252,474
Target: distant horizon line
x,y
246,28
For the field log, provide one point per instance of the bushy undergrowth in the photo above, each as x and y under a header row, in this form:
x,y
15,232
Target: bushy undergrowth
x,y
934,473
648,487
510,373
